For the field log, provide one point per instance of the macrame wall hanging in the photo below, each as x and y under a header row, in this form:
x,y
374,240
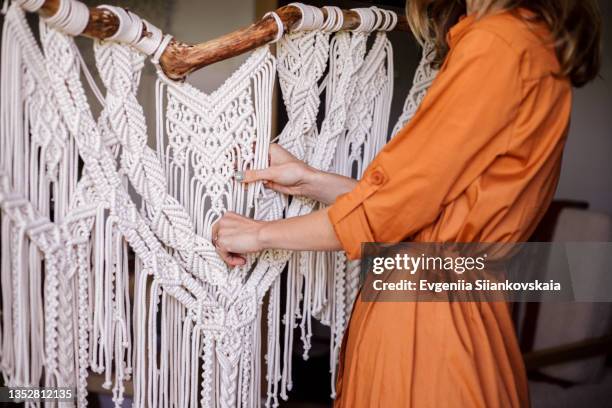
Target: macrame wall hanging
x,y
189,331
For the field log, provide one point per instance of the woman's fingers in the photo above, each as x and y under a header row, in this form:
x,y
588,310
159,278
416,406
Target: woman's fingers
x,y
229,258
233,235
220,243
269,179
232,259
250,176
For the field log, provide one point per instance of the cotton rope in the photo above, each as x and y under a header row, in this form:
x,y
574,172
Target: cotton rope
x,y
150,42
334,20
130,25
71,17
280,28
312,17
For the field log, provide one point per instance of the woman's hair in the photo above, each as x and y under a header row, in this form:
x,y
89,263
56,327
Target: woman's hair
x,y
575,26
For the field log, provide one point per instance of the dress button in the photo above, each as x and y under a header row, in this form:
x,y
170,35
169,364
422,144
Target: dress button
x,y
376,178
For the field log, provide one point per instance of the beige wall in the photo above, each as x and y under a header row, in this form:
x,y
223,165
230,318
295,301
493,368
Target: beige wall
x,y
196,21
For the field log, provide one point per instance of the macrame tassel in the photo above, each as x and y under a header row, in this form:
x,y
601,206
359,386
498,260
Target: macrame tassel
x,y
97,340
153,395
193,366
255,397
21,307
140,334
171,349
320,300
165,350
10,303
273,372
120,319
6,357
183,369
306,268
110,265
291,311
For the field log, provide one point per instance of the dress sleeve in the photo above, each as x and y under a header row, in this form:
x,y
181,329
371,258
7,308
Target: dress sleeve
x,y
465,122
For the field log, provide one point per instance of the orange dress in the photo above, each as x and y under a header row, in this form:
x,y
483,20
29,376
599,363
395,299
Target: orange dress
x,y
479,162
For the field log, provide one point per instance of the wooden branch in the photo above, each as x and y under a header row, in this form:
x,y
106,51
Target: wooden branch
x,y
180,59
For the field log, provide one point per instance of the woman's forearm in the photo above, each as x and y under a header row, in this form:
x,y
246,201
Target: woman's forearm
x,y
308,232
326,187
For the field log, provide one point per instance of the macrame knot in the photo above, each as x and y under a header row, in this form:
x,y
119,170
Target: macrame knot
x,y
117,67
71,17
312,17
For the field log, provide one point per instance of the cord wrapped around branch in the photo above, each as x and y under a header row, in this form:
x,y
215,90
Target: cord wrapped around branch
x,y
180,59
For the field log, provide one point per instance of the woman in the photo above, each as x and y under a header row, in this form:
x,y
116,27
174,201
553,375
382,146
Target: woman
x,y
479,162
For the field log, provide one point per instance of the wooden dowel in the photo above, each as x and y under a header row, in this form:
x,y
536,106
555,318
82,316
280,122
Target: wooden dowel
x,y
179,59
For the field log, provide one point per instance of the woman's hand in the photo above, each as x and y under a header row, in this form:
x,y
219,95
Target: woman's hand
x,y
234,235
286,173
290,176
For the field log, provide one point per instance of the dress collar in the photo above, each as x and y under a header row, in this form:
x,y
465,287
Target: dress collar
x,y
457,31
